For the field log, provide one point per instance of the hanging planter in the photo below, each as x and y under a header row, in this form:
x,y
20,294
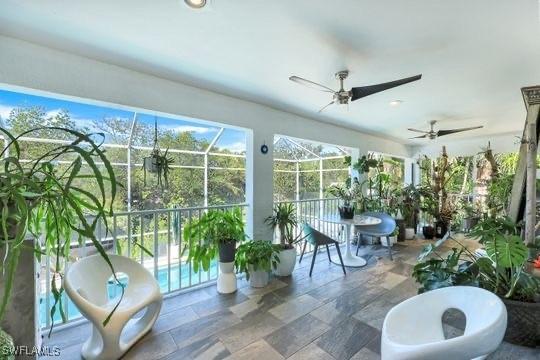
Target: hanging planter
x,y
158,163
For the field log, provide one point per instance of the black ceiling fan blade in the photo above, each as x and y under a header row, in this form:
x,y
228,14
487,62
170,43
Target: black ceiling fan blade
x,y
420,131
420,137
311,84
363,91
453,131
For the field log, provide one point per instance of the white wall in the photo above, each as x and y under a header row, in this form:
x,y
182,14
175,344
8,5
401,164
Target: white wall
x,y
32,66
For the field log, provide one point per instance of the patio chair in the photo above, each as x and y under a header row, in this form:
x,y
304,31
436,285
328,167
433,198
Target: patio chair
x,y
384,229
317,238
413,329
88,282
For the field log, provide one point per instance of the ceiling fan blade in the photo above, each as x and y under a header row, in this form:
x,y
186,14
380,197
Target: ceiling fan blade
x,y
311,84
324,107
420,131
419,137
363,91
453,131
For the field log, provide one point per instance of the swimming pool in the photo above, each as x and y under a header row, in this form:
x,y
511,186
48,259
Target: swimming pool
x,y
180,279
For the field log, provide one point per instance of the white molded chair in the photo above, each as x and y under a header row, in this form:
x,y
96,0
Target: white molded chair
x,y
413,328
86,283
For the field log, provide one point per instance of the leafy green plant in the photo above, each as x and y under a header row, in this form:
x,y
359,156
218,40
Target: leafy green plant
x,y
259,255
40,196
284,220
341,191
501,272
204,235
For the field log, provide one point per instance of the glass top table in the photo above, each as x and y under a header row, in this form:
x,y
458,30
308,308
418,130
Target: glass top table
x,y
349,259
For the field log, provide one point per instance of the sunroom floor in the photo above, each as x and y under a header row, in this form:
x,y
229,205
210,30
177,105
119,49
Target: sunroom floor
x,y
328,316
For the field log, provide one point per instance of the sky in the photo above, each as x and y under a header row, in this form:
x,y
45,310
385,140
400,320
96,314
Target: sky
x,y
84,115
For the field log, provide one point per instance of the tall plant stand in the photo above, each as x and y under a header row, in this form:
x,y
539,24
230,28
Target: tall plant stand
x,y
226,281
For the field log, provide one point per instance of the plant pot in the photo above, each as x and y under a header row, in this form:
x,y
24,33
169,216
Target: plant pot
x,y
523,320
469,223
226,281
441,229
346,212
385,240
258,279
428,232
409,233
287,262
227,250
401,225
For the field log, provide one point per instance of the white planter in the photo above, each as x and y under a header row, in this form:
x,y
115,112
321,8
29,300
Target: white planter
x,y
409,233
226,281
384,241
258,279
287,262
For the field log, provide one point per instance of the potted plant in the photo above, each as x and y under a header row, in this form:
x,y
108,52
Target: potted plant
x,y
283,221
410,198
347,196
502,271
256,259
215,233
158,163
429,209
41,197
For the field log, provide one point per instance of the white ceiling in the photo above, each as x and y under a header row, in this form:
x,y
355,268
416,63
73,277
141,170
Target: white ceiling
x,y
474,54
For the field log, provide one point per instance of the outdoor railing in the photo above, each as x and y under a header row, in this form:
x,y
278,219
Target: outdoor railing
x,y
313,212
160,232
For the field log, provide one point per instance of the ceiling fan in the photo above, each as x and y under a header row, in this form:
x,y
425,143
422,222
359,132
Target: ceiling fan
x,y
433,134
343,96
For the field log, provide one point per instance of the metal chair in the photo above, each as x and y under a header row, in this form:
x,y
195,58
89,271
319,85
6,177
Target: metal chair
x,y
384,229
317,238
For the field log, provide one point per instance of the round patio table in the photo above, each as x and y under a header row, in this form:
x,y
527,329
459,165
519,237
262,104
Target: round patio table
x,y
349,259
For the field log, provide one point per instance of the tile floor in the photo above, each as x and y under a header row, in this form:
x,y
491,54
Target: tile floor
x,y
328,316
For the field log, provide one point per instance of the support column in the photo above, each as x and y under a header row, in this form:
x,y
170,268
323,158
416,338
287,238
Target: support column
x,y
259,183
532,100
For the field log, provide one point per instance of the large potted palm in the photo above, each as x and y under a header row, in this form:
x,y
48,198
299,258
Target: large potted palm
x,y
43,199
283,222
215,234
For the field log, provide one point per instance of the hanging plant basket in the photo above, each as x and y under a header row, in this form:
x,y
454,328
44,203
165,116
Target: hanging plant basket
x,y
157,163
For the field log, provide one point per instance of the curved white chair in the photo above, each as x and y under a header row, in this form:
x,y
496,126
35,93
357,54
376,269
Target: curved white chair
x,y
86,283
413,328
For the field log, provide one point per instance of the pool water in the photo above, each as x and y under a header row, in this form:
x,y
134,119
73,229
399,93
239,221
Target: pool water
x,y
177,282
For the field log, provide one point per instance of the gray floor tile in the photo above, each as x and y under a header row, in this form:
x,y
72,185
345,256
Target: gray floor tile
x,y
311,352
249,330
344,340
204,327
152,347
207,348
173,319
290,338
259,350
185,299
218,302
295,308
365,354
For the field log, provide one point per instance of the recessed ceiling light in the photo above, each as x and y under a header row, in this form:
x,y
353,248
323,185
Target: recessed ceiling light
x,y
196,4
395,102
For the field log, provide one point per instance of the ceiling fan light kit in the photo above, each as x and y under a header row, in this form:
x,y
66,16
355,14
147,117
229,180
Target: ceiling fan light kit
x,y
343,96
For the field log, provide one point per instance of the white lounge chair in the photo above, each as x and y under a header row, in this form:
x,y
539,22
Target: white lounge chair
x,y
413,328
86,283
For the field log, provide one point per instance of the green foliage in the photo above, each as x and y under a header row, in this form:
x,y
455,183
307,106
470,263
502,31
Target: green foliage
x,y
367,162
203,236
499,193
284,220
341,191
39,197
501,272
260,255
7,347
